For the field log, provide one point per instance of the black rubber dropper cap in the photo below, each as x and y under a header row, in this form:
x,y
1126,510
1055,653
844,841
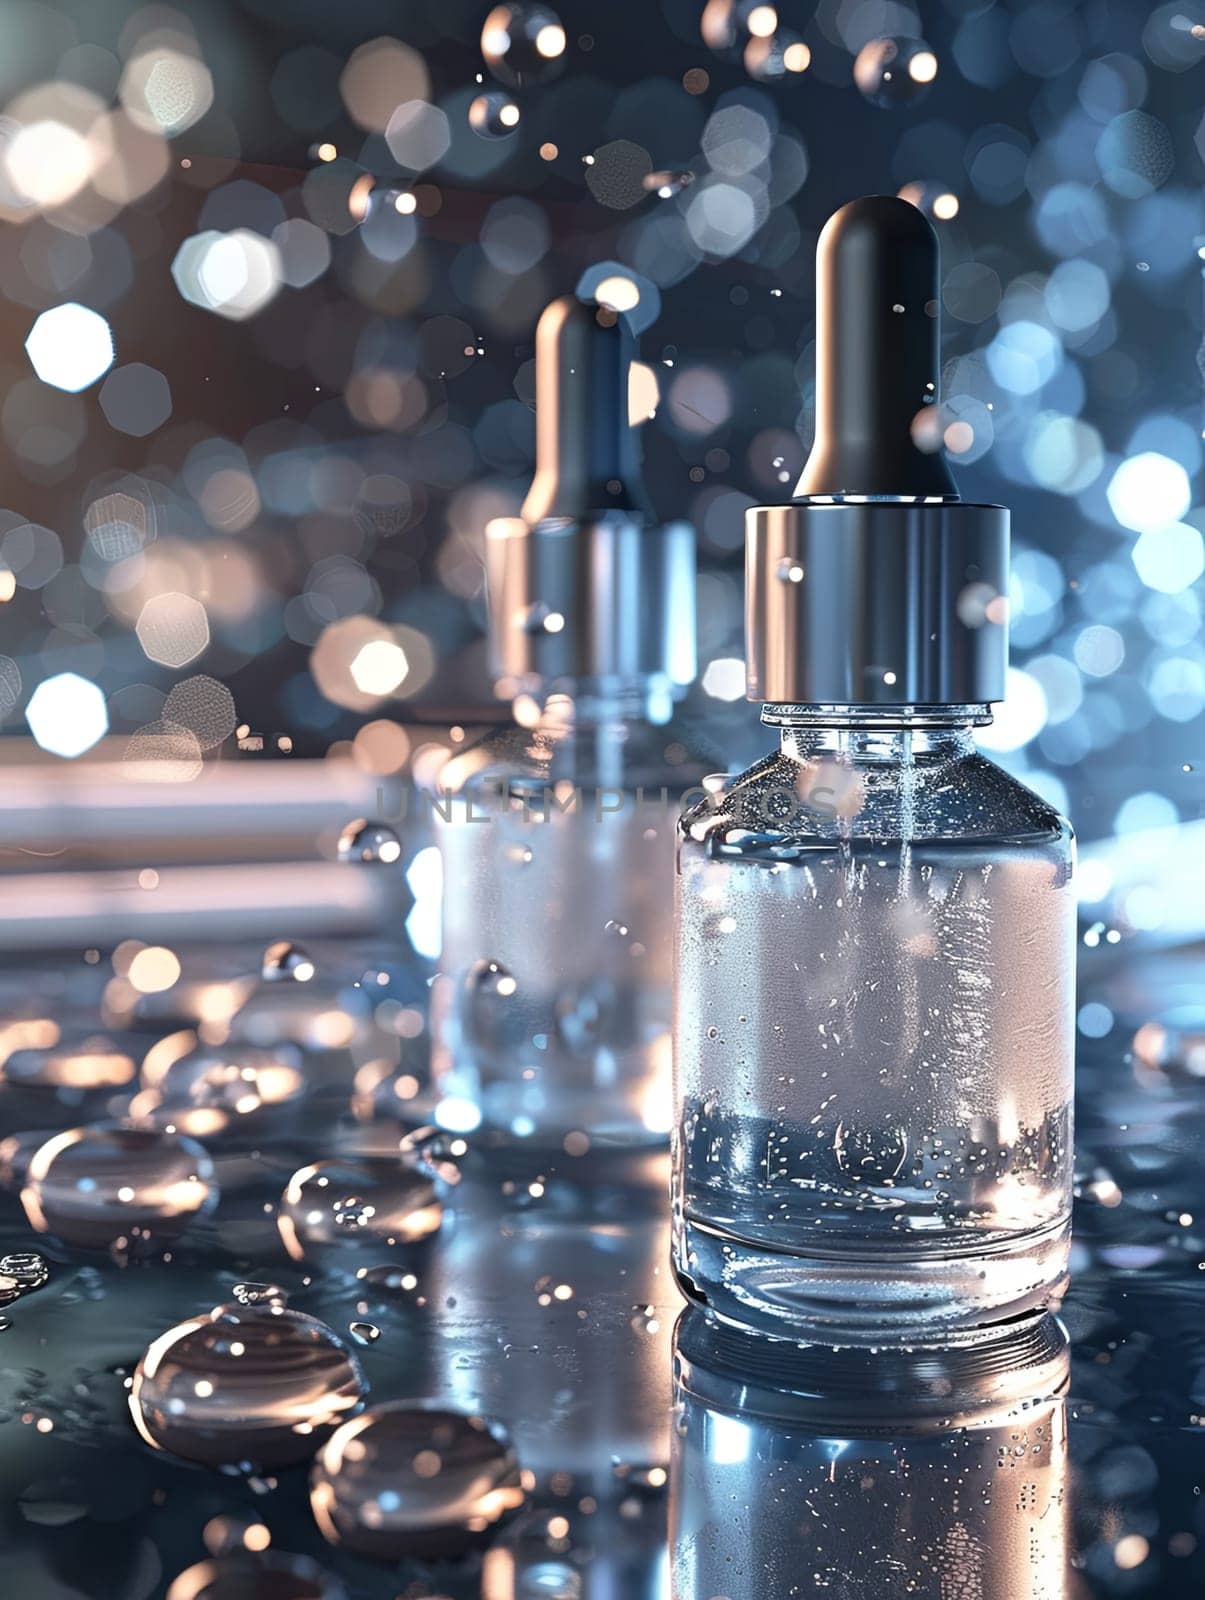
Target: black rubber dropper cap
x,y
587,452
877,355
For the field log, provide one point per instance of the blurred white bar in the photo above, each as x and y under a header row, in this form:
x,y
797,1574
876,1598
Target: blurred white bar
x,y
56,910
240,807
90,853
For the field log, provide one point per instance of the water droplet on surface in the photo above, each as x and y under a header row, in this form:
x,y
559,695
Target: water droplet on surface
x,y
271,1576
260,1294
233,1534
493,115
16,1152
286,961
336,1207
89,1062
105,1186
27,1268
407,1479
252,1384
366,841
894,71
209,1087
789,570
435,1152
364,1332
523,43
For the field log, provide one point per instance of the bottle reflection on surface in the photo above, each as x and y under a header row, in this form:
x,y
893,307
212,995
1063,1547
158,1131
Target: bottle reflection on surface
x,y
936,1474
554,1308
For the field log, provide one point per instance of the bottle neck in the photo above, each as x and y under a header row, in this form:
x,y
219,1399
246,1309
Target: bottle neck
x,y
595,703
876,732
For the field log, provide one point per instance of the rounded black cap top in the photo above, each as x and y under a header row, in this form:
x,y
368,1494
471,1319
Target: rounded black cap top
x,y
877,357
587,451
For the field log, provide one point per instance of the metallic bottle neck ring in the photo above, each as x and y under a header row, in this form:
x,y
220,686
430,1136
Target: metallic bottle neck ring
x,y
876,603
604,597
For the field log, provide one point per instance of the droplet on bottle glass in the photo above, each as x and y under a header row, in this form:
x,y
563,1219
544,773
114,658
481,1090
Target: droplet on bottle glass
x,y
523,43
493,1015
894,71
366,841
117,1186
493,115
364,1332
870,1155
286,961
405,1479
336,1207
258,1384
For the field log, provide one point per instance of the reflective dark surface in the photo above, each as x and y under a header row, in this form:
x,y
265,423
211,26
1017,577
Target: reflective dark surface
x,y
1037,1463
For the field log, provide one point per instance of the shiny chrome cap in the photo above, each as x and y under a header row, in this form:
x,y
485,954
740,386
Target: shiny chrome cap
x,y
603,597
877,585
584,583
876,603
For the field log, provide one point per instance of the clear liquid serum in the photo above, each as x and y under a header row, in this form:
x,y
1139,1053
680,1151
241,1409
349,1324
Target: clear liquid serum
x,y
875,924
553,1009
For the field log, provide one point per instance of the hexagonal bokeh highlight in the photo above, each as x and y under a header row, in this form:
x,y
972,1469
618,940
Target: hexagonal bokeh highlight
x,y
173,629
70,347
233,274
67,715
305,251
136,399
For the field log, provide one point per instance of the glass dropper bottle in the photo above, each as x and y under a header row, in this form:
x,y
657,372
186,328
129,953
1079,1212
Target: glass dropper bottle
x,y
875,944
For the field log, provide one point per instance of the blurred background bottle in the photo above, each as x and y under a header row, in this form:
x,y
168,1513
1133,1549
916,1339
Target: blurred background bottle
x,y
552,1010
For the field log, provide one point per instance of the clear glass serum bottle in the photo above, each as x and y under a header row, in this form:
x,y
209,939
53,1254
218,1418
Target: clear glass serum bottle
x,y
875,924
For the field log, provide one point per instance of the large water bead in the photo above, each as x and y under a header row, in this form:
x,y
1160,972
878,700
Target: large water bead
x,y
335,1207
116,1186
237,1081
273,1575
255,1384
72,1066
414,1480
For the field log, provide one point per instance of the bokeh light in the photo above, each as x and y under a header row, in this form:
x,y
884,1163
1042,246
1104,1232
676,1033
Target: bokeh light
x,y
67,715
70,347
